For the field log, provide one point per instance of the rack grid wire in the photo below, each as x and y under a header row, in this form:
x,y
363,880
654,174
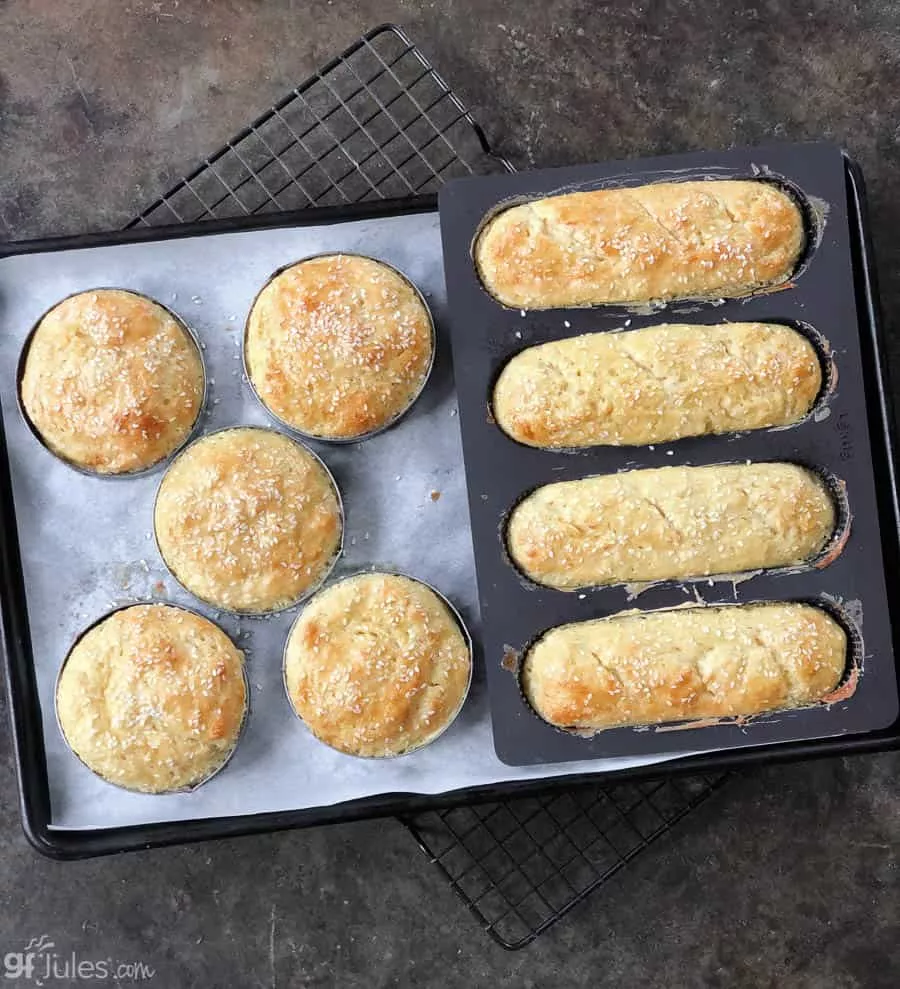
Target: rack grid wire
x,y
378,122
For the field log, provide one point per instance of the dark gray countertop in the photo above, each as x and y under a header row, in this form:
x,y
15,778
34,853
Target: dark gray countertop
x,y
787,877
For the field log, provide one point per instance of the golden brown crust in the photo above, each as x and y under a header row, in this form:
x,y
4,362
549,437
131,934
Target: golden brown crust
x,y
376,665
641,669
670,522
671,240
153,698
338,346
248,520
658,384
112,382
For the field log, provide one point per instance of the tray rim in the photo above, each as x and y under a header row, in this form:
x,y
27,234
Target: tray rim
x,y
28,747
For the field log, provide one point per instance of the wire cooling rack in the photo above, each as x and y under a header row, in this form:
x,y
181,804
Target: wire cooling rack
x,y
522,864
378,122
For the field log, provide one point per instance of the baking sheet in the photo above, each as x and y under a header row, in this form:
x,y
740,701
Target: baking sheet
x,y
820,299
87,543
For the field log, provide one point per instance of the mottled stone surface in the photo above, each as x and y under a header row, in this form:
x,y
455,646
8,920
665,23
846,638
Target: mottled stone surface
x,y
788,877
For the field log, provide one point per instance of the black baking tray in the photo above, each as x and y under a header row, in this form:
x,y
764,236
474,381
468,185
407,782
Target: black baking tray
x,y
20,681
838,440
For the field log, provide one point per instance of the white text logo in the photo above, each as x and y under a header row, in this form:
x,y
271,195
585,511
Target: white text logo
x,y
39,963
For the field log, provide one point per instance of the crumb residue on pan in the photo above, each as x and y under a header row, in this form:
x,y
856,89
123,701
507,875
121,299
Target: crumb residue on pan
x,y
634,590
510,661
739,722
845,690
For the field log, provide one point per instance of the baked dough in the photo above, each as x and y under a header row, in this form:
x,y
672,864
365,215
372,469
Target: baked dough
x,y
153,698
670,522
658,384
338,346
670,240
376,665
111,381
248,520
642,669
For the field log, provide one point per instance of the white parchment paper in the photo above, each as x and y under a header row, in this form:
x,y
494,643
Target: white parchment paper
x,y
87,543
